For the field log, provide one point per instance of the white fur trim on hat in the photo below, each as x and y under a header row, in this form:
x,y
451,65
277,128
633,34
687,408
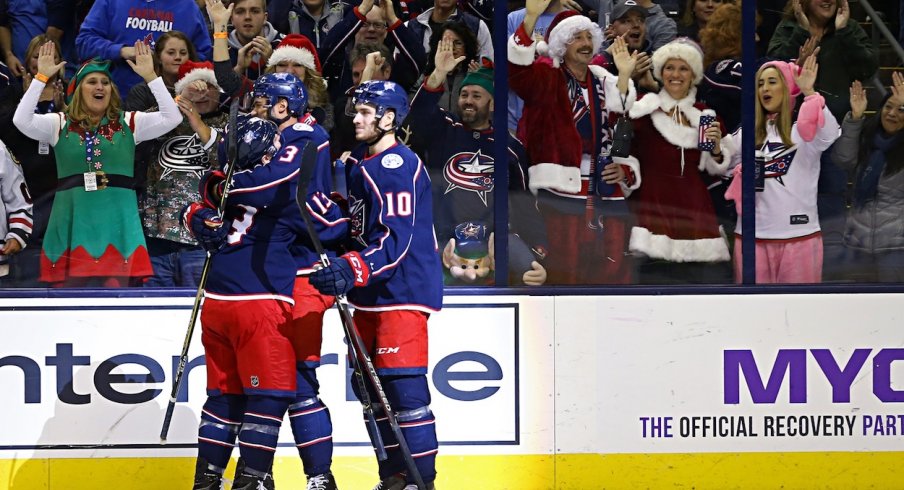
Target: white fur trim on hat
x,y
559,38
291,53
683,49
204,74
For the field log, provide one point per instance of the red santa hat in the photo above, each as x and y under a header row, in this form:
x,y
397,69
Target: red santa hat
x,y
561,32
191,71
297,48
683,49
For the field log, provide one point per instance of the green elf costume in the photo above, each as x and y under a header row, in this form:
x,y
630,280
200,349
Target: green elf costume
x,y
94,228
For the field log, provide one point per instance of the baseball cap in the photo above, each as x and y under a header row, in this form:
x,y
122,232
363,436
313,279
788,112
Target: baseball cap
x,y
622,8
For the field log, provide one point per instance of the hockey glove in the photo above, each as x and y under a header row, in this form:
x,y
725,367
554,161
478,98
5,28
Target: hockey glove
x,y
341,275
206,226
211,188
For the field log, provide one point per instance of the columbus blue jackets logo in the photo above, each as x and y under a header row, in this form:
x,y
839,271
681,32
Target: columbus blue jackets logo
x,y
356,219
469,171
778,160
183,154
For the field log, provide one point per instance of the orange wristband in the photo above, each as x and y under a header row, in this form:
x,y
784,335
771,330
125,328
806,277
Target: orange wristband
x,y
220,35
41,77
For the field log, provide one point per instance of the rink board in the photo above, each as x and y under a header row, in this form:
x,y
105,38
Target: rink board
x,y
743,391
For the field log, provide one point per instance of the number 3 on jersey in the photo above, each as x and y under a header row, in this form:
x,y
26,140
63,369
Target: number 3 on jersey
x,y
398,204
290,152
241,225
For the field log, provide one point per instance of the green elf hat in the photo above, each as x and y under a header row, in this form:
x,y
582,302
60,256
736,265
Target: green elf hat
x,y
93,65
482,77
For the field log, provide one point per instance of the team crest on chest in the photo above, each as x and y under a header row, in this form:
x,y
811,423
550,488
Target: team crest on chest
x,y
470,172
356,219
183,154
778,158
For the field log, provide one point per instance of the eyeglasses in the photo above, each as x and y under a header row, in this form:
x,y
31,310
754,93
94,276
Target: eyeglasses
x,y
376,26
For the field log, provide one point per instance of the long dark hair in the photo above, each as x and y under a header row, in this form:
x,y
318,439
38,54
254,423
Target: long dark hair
x,y
894,159
466,36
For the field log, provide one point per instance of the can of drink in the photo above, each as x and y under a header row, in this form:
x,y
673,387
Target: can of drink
x,y
759,172
603,188
707,118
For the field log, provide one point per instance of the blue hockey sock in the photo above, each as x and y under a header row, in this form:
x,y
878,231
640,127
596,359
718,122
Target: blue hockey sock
x,y
410,399
260,431
313,431
221,418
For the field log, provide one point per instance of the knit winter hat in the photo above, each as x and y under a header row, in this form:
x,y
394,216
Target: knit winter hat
x,y
482,77
561,32
683,49
297,48
788,70
191,71
93,65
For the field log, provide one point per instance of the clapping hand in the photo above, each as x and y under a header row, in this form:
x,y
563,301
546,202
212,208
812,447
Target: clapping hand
x,y
807,77
842,15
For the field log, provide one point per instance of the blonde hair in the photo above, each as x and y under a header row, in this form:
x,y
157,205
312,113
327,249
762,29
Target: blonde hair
x,y
783,121
316,85
77,112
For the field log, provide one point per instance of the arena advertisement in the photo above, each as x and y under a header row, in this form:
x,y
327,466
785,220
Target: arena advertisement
x,y
755,373
95,374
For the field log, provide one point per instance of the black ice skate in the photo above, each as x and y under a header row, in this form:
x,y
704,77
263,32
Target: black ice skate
x,y
246,481
324,481
205,478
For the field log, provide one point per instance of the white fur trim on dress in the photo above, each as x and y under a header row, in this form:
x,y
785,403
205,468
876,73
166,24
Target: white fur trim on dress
x,y
663,247
711,166
291,53
555,177
203,74
564,32
521,55
634,165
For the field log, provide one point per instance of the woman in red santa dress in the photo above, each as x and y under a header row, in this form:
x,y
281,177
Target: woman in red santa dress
x,y
676,238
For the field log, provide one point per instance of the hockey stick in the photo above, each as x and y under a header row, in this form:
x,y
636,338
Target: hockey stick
x,y
361,362
199,296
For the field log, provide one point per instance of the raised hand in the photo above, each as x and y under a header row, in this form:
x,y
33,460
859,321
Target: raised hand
x,y
807,77
365,6
800,15
536,7
858,99
624,61
897,87
219,14
572,5
144,62
444,59
47,64
843,14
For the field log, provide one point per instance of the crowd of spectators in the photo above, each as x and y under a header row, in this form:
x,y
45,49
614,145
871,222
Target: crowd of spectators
x,y
580,70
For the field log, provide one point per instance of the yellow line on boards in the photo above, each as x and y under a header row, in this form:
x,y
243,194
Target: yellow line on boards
x,y
824,470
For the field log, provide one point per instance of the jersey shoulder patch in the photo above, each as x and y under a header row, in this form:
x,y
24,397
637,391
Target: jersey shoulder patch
x,y
392,161
300,126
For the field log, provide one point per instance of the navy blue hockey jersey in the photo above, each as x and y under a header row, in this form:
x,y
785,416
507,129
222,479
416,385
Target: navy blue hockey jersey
x,y
265,222
329,224
461,165
391,226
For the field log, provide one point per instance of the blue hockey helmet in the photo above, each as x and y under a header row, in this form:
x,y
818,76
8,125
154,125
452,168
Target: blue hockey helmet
x,y
254,140
383,96
275,86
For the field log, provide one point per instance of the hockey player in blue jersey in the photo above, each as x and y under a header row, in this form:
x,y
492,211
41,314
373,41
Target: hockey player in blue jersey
x,y
248,303
392,275
284,99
